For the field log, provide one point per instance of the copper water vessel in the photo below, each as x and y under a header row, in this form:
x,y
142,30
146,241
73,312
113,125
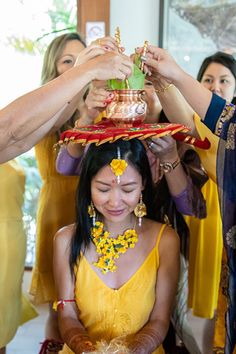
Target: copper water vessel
x,y
127,107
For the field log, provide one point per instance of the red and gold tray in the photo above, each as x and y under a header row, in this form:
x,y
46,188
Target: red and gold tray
x,y
106,131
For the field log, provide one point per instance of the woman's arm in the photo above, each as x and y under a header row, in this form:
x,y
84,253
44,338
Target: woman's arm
x,y
182,169
153,104
197,177
69,159
165,149
71,329
28,141
151,336
163,95
70,156
175,106
160,64
24,116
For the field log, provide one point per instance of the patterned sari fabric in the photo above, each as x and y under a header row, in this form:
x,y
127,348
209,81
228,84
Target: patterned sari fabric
x,y
226,179
224,125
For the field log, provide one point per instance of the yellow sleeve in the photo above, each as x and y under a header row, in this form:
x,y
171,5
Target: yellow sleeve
x,y
208,157
100,116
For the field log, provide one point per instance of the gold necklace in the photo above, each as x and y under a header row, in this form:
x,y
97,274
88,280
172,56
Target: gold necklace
x,y
110,248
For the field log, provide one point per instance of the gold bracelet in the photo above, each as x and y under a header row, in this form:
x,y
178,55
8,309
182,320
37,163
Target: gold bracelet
x,y
167,167
164,89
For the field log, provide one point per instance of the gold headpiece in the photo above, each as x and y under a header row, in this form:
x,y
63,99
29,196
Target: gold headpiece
x,y
118,165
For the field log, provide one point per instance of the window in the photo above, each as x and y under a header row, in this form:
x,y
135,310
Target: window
x,y
194,29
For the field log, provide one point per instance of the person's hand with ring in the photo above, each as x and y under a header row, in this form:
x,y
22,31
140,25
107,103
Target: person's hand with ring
x,y
109,43
165,148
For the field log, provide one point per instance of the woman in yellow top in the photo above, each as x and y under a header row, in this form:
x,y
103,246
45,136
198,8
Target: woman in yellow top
x,y
12,252
57,195
111,259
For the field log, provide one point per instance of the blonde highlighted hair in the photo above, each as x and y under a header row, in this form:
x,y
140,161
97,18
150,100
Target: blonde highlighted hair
x,y
54,52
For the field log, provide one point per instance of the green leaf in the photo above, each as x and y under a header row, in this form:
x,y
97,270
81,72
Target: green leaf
x,y
136,81
115,84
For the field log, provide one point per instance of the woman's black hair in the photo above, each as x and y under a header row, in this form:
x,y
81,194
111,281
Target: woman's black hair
x,y
222,58
134,152
165,209
225,59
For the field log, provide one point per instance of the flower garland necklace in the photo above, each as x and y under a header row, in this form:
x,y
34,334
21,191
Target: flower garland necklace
x,y
110,248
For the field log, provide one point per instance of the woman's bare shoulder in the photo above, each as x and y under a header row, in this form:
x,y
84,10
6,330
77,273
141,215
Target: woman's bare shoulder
x,y
152,226
169,234
170,240
64,235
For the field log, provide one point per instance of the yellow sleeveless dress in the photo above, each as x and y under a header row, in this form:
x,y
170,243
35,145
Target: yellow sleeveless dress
x,y
56,208
14,307
206,242
107,313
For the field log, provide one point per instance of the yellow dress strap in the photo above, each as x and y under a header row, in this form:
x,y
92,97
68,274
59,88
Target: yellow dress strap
x,y
160,235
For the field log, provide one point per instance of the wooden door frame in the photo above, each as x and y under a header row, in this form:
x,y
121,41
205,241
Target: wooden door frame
x,y
93,11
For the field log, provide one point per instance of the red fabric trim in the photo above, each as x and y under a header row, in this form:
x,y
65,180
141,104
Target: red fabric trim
x,y
106,131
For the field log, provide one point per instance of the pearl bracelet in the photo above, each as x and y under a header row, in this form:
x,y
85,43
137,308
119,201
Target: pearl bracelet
x,y
164,89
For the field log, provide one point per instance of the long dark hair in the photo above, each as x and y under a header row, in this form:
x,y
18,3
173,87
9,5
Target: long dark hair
x,y
134,152
225,59
165,208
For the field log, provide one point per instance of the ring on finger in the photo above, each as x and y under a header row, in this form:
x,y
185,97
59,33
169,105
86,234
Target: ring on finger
x,y
151,144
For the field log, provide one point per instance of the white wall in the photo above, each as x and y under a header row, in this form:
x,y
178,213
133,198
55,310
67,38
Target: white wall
x,y
138,21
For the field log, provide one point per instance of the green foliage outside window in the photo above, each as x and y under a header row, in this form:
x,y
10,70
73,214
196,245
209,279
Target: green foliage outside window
x,y
63,18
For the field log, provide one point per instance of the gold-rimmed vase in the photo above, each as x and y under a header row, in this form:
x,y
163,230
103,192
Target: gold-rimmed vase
x,y
126,108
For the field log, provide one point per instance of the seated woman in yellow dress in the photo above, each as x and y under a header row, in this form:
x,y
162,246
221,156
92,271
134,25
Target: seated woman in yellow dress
x,y
177,192
57,190
112,258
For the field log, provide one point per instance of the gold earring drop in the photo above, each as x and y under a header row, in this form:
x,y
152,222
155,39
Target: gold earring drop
x,y
92,212
140,210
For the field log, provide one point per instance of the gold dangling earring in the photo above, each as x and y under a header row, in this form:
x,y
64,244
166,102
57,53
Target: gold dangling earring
x,y
140,210
92,212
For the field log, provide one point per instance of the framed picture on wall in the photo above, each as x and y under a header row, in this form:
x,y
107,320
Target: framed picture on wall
x,y
94,30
